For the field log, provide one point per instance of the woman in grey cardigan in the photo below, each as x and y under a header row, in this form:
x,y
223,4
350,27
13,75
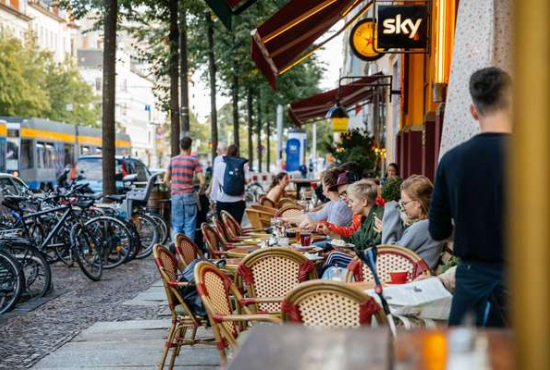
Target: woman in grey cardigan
x,y
406,223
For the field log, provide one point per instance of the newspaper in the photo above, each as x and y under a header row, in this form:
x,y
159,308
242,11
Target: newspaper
x,y
426,299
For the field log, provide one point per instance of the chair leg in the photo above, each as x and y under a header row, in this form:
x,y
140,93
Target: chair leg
x,y
167,345
183,332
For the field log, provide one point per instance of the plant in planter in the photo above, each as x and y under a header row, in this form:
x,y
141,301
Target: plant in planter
x,y
391,190
356,146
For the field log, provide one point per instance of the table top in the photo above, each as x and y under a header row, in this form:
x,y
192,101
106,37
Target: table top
x,y
299,347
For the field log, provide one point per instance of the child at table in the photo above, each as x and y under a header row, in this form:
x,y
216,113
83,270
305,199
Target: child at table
x,y
363,232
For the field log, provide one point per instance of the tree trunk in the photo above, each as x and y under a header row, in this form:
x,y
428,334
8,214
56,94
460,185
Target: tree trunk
x,y
184,72
174,79
259,125
235,88
109,83
268,146
250,128
212,73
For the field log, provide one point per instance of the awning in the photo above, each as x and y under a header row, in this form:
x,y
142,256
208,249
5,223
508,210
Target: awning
x,y
287,37
348,95
225,9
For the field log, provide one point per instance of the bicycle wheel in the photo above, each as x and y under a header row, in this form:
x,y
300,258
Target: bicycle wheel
x,y
115,240
35,268
161,227
61,243
37,232
87,248
12,281
148,234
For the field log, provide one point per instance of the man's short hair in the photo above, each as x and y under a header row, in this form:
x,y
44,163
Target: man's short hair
x,y
490,89
185,143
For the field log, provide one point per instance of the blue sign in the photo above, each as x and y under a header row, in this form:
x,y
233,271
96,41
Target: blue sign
x,y
147,108
293,155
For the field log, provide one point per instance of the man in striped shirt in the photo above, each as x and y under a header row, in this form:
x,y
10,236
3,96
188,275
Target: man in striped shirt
x,y
180,178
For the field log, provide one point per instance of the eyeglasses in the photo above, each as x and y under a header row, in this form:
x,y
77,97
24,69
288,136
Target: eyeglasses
x,y
402,204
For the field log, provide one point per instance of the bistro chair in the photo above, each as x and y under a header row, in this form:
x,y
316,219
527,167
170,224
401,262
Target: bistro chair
x,y
266,202
259,219
214,245
290,211
269,210
389,258
286,202
222,231
269,274
330,304
183,319
217,291
234,230
186,251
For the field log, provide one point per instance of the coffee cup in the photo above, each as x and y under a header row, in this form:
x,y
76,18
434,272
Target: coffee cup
x,y
399,277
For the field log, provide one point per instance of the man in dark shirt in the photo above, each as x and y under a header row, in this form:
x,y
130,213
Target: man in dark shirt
x,y
469,193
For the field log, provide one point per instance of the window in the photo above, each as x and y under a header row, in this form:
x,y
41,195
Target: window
x,y
68,154
141,171
40,154
90,169
6,187
19,186
2,156
27,154
12,155
84,150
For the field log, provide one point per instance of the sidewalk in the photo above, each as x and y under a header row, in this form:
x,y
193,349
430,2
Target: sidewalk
x,y
126,345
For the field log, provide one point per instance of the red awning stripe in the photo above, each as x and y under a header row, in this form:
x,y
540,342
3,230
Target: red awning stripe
x,y
348,95
289,33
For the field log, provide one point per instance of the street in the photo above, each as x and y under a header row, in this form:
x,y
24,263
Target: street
x,y
27,337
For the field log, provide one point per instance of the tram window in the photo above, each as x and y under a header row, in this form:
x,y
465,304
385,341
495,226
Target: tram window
x,y
40,155
68,154
50,156
12,132
12,151
27,155
2,156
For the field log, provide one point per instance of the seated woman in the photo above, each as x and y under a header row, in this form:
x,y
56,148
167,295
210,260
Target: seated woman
x,y
336,211
406,223
361,199
277,189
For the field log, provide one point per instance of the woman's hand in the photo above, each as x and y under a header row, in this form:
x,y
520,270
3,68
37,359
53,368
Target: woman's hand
x,y
377,224
323,229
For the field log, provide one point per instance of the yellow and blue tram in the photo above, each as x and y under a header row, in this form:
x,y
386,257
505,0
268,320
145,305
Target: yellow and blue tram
x,y
38,150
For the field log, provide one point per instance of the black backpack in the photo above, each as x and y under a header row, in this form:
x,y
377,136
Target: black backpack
x,y
233,178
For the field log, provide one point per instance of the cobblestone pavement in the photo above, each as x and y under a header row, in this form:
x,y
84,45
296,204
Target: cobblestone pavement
x,y
25,339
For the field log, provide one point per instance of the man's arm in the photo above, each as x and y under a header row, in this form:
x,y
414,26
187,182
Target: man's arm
x,y
200,176
167,176
440,216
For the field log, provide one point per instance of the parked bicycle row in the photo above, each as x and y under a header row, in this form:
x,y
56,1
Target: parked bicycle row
x,y
72,227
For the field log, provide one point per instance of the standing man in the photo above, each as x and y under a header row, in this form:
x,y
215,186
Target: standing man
x,y
469,192
179,177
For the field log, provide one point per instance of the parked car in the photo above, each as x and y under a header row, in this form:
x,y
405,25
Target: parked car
x,y
89,169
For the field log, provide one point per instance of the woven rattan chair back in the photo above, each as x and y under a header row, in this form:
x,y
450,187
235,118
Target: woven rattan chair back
x,y
286,202
212,240
186,250
330,304
272,273
290,211
254,218
269,210
215,289
233,228
222,232
266,202
389,258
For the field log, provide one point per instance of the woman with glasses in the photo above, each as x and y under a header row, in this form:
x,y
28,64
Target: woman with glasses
x,y
405,223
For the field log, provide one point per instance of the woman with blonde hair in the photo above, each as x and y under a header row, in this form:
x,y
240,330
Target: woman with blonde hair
x,y
405,223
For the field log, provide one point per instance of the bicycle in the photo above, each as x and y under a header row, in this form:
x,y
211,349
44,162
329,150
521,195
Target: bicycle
x,y
12,281
84,246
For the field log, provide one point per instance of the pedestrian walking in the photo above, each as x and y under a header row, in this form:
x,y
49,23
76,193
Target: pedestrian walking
x,y
180,178
231,173
469,192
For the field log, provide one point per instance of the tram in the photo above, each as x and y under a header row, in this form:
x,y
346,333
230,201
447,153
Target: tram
x,y
38,150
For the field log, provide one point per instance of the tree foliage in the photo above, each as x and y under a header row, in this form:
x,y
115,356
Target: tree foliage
x,y
34,85
355,146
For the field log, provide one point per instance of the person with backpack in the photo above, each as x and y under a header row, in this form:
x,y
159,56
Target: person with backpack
x,y
229,179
